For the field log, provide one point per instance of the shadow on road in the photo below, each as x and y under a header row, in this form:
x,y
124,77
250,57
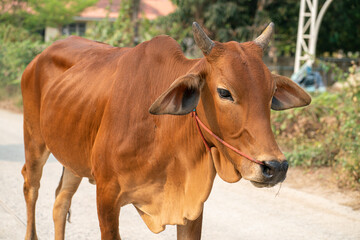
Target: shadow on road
x,y
12,152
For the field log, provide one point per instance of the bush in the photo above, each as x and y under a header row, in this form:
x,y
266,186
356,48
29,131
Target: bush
x,y
326,133
17,49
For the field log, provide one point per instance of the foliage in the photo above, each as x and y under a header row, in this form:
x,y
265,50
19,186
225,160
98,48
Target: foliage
x,y
35,15
55,12
243,20
285,15
326,133
337,73
13,12
17,48
238,20
223,20
122,32
340,28
11,33
167,25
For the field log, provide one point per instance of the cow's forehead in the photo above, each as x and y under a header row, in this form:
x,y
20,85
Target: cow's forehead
x,y
240,65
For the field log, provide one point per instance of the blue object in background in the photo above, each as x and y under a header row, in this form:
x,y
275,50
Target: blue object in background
x,y
309,80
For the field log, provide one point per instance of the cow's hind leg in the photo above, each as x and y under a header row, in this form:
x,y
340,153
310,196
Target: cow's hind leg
x,y
68,185
36,155
190,231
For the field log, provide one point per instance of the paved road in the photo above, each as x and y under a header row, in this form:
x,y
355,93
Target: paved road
x,y
233,211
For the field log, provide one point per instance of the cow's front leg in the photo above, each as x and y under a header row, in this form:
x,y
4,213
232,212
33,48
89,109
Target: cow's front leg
x,y
108,207
190,231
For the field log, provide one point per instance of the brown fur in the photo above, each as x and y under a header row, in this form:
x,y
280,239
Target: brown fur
x,y
87,103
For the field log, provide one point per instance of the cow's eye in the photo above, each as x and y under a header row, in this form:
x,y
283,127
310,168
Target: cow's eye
x,y
225,94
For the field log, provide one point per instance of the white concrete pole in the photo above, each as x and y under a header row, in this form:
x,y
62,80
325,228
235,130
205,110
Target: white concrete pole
x,y
313,10
299,36
308,30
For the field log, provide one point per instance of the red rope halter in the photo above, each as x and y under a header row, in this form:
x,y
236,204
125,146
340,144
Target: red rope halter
x,y
198,121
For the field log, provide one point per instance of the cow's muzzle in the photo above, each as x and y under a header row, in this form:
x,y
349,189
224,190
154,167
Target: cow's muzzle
x,y
273,172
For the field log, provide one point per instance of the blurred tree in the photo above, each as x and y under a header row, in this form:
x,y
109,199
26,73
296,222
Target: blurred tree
x,y
243,20
135,21
285,15
224,19
124,32
340,28
13,12
54,13
37,14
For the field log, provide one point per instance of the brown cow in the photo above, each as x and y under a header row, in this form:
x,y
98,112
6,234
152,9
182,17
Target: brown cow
x,y
88,104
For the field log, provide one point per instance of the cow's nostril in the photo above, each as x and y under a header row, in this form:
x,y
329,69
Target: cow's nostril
x,y
267,171
274,169
271,168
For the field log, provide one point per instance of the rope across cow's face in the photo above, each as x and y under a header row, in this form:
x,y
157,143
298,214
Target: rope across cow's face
x,y
233,92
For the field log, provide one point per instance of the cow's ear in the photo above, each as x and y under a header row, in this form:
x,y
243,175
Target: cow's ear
x,y
288,94
180,98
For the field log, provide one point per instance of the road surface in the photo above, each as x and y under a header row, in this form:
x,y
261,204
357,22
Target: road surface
x,y
233,211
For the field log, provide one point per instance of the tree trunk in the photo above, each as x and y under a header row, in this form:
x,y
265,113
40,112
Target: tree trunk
x,y
135,8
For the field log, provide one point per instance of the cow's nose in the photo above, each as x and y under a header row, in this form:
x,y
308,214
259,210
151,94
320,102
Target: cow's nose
x,y
275,170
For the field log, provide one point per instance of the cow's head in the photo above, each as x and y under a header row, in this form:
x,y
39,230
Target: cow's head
x,y
233,91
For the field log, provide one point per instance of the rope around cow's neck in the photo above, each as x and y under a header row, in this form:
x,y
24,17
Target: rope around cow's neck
x,y
200,123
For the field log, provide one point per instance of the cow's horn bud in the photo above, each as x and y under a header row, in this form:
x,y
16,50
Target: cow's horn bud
x,y
264,39
202,40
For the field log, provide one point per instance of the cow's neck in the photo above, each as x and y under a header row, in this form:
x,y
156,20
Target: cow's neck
x,y
167,151
189,176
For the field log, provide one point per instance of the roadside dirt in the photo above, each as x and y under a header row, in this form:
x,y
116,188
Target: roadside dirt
x,y
322,182
10,105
